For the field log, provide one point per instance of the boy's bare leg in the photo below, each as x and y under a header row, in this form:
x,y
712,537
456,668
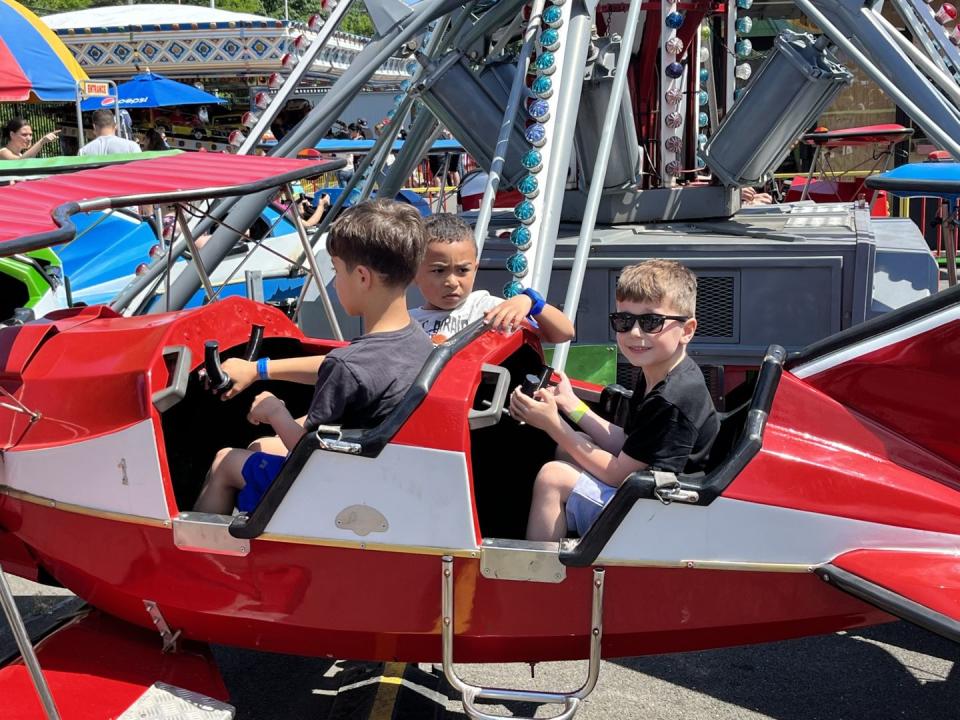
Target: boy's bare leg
x,y
553,486
224,481
270,444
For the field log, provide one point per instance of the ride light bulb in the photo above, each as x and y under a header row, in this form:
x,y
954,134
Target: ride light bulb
x,y
673,96
155,251
704,54
539,110
328,5
550,39
289,60
512,289
955,36
274,81
744,25
674,168
946,13
299,42
704,76
703,120
703,97
249,119
517,265
743,72
524,212
521,238
141,269
552,16
261,100
674,120
673,143
236,138
674,46
529,186
536,135
315,22
674,70
743,48
673,20
542,87
532,160
744,4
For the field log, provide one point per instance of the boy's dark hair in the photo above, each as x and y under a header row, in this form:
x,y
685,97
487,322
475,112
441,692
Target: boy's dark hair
x,y
659,282
103,119
384,235
447,228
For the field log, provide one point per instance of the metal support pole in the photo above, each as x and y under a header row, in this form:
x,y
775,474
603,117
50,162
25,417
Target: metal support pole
x,y
589,222
294,78
933,129
22,637
195,251
315,270
509,114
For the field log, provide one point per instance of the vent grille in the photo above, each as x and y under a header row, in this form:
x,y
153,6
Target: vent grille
x,y
712,374
715,307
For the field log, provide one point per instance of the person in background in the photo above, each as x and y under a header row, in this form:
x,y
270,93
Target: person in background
x,y
18,140
107,142
155,141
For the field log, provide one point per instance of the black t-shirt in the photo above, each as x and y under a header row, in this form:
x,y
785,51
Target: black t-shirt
x,y
672,427
360,384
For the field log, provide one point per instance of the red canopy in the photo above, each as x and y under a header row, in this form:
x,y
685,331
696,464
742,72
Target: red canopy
x,y
28,208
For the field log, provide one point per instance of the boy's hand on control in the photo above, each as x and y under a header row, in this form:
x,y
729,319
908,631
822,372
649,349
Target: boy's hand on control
x,y
507,316
563,392
265,405
242,372
540,411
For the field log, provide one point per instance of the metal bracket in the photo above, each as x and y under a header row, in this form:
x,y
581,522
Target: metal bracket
x,y
169,637
522,560
207,533
472,693
668,489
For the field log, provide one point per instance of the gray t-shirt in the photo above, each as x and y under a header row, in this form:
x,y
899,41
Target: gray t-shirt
x,y
360,384
109,145
447,323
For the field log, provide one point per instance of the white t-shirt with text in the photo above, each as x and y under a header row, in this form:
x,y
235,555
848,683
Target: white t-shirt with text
x,y
109,145
447,323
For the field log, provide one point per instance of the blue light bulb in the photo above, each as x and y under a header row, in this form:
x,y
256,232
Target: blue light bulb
x,y
674,20
512,289
529,186
412,67
703,120
703,97
552,16
744,4
744,25
546,63
404,85
550,39
517,264
701,139
542,87
521,237
524,212
398,98
391,113
737,93
674,70
539,110
536,135
704,76
743,48
532,160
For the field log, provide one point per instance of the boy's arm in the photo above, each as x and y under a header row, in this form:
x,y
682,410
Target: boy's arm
x,y
553,325
604,433
244,372
267,408
610,468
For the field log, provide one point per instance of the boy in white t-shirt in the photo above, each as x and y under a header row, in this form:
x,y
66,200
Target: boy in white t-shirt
x,y
446,277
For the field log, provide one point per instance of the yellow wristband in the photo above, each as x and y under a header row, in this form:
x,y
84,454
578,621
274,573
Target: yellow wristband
x,y
576,415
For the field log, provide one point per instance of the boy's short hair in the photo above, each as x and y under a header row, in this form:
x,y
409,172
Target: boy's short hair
x,y
384,235
103,119
447,228
659,282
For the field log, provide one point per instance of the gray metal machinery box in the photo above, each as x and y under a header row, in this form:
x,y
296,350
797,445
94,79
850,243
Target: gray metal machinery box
x,y
793,87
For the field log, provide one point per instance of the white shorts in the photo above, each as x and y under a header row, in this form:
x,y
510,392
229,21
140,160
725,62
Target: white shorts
x,y
586,501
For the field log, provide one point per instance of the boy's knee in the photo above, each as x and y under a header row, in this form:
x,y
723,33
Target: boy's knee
x,y
220,458
558,476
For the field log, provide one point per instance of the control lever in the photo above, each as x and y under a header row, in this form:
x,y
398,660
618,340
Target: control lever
x,y
252,351
215,380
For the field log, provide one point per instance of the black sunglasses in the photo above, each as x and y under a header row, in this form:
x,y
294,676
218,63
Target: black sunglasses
x,y
650,323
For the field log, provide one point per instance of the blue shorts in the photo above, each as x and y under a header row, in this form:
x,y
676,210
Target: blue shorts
x,y
259,472
586,501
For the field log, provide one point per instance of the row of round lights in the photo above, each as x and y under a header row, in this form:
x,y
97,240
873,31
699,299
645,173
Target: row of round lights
x,y
288,61
673,93
743,47
945,15
538,113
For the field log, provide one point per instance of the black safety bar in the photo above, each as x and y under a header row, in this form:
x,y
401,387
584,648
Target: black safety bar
x,y
366,443
642,485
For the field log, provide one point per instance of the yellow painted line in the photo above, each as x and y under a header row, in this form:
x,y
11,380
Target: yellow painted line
x,y
389,687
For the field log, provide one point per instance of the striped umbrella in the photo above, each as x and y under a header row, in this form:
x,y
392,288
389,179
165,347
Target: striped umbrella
x,y
34,62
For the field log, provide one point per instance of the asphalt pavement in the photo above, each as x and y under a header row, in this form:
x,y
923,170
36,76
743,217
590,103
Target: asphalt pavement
x,y
888,672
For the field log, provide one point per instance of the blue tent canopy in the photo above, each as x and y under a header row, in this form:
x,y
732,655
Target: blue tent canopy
x,y
149,90
926,179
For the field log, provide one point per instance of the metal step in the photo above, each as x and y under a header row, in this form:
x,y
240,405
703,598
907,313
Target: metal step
x,y
167,702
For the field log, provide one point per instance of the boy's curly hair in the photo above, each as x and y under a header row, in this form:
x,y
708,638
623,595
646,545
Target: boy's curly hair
x,y
659,282
447,228
384,235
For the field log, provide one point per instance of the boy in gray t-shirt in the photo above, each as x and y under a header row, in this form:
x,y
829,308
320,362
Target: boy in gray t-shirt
x,y
376,248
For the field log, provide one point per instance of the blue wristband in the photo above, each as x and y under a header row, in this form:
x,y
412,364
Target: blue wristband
x,y
538,302
262,368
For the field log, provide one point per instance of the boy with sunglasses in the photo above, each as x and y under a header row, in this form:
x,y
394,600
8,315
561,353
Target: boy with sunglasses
x,y
671,424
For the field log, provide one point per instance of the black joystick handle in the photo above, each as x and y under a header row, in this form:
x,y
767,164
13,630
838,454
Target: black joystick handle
x,y
217,380
252,351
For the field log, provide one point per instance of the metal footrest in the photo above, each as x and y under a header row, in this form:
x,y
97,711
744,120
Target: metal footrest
x,y
167,702
472,693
